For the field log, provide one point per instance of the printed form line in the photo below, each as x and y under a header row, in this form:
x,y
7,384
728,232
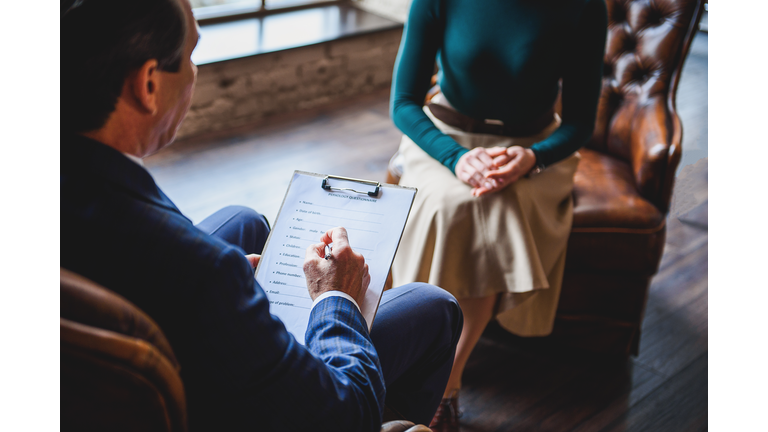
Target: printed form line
x,y
356,220
346,210
289,295
293,305
348,229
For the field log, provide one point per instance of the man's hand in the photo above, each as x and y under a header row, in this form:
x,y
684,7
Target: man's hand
x,y
345,271
513,162
473,168
253,259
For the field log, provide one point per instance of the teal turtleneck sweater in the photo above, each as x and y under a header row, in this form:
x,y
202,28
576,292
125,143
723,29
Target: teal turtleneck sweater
x,y
501,59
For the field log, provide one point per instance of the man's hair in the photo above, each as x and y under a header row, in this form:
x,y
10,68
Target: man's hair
x,y
102,41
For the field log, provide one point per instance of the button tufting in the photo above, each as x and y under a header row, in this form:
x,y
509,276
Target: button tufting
x,y
619,12
640,74
630,43
615,97
653,16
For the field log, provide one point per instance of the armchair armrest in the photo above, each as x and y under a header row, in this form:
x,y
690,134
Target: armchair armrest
x,y
655,150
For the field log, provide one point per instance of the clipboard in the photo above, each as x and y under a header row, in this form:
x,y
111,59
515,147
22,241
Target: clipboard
x,y
374,215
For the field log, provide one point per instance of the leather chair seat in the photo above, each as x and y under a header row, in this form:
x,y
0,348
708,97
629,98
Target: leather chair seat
x,y
605,196
614,228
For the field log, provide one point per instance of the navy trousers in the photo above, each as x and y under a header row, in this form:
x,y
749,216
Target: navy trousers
x,y
415,332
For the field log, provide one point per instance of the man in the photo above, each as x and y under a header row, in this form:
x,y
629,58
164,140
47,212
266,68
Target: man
x,y
127,80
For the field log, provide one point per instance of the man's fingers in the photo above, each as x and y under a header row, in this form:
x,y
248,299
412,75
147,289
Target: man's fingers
x,y
253,259
365,283
338,236
326,237
315,250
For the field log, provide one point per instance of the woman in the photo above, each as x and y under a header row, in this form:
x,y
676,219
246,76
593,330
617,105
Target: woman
x,y
493,163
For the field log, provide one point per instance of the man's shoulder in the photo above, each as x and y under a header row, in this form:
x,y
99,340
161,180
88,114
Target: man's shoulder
x,y
106,214
109,226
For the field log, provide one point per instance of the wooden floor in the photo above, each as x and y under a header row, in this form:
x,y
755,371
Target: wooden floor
x,y
510,385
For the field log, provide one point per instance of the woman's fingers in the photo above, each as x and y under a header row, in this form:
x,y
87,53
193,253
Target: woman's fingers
x,y
484,158
466,169
495,152
488,170
474,166
504,172
511,163
464,173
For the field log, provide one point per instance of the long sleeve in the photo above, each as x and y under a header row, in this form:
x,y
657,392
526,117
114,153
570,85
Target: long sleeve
x,y
582,78
335,382
414,67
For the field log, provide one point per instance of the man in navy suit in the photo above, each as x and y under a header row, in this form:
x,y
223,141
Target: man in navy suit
x,y
127,80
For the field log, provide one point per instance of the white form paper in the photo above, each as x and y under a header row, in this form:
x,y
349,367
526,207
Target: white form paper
x,y
374,226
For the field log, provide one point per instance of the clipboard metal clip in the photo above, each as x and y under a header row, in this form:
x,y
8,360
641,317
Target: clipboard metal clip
x,y
374,193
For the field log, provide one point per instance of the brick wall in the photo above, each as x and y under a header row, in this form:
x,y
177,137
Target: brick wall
x,y
249,90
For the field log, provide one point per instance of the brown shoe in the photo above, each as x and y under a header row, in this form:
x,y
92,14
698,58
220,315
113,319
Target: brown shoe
x,y
446,418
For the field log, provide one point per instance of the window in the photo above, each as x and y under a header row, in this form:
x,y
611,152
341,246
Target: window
x,y
213,9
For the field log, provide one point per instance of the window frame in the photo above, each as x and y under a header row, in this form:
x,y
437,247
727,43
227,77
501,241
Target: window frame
x,y
217,14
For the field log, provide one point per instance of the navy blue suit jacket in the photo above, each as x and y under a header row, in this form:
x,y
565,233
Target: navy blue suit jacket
x,y
240,368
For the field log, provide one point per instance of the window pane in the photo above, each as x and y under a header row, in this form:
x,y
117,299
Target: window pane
x,y
238,4
275,4
203,3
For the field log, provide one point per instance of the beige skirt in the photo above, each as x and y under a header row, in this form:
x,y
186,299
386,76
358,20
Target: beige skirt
x,y
511,242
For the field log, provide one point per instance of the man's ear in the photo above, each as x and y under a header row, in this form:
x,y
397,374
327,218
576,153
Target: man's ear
x,y
144,86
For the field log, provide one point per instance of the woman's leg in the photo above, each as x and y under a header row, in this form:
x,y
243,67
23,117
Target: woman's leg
x,y
477,314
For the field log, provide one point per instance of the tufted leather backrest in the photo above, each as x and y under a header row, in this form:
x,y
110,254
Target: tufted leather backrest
x,y
118,371
647,43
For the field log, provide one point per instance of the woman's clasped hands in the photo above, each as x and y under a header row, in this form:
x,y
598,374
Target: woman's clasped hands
x,y
491,169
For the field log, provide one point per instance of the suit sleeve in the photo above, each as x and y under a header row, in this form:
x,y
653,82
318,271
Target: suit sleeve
x,y
268,381
411,80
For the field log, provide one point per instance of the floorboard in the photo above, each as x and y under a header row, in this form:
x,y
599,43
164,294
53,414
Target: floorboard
x,y
680,404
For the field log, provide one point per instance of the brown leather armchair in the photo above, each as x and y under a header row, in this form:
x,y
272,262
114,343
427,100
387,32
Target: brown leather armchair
x,y
623,185
118,371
